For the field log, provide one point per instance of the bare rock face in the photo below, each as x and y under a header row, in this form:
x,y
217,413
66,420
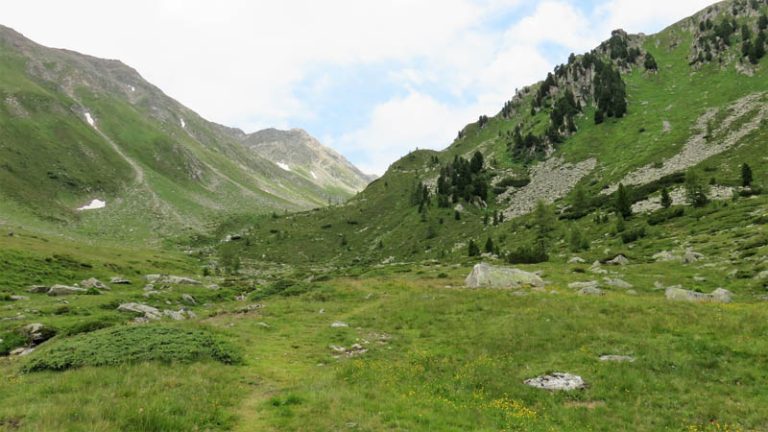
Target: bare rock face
x,y
487,276
557,381
719,295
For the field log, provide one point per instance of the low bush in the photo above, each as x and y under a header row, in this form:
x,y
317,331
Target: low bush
x,y
132,344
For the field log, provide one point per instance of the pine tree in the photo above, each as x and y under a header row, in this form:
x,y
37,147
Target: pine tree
x,y
746,175
473,250
489,245
666,200
696,190
650,62
623,204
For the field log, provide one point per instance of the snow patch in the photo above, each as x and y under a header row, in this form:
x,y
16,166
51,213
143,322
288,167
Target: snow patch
x,y
314,176
183,123
89,119
284,166
94,205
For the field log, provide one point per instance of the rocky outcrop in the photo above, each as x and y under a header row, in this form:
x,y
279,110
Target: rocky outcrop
x,y
93,283
171,280
148,312
487,276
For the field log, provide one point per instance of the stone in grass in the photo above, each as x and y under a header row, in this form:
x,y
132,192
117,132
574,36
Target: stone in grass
x,y
577,260
94,283
339,324
118,280
38,289
148,312
487,276
188,299
620,260
617,358
581,285
591,291
63,290
719,295
557,381
618,283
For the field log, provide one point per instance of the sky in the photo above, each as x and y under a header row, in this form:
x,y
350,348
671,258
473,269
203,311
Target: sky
x,y
373,79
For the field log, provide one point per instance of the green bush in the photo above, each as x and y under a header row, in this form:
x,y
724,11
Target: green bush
x,y
633,235
10,341
664,215
88,326
282,287
528,255
132,344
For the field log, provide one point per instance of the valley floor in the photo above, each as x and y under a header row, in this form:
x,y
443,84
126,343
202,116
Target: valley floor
x,y
408,348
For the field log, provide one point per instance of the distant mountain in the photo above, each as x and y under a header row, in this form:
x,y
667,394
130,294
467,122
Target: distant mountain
x,y
75,128
297,151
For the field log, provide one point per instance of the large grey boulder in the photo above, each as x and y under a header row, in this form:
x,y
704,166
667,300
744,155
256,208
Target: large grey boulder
x,y
63,290
620,260
557,381
488,276
148,312
719,295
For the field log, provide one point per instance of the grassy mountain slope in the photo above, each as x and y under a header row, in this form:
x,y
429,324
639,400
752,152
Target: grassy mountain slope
x,y
700,107
77,128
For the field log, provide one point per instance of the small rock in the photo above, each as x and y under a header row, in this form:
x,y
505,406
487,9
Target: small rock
x,y
631,292
37,333
213,287
691,257
577,260
188,299
171,279
664,256
93,283
19,352
617,358
620,260
339,324
19,298
557,381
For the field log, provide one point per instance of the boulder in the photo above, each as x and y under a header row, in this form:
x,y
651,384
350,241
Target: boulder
x,y
93,283
763,275
557,381
597,268
677,293
581,285
618,260
691,257
618,283
18,298
22,351
37,333
591,291
148,312
339,324
180,315
487,276
63,290
188,299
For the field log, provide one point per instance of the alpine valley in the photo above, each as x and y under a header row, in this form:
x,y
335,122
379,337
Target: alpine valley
x,y
590,258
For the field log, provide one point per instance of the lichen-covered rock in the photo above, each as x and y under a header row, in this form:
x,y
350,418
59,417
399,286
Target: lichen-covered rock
x,y
487,276
620,260
171,279
93,283
148,312
37,333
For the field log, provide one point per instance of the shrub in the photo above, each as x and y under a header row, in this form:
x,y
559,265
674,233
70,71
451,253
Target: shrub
x,y
10,341
662,216
533,254
633,235
283,288
133,344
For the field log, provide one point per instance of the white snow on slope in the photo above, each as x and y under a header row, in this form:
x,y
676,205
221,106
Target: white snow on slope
x,y
89,119
283,166
94,205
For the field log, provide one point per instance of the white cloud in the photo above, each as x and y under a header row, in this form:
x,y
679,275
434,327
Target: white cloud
x,y
240,62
